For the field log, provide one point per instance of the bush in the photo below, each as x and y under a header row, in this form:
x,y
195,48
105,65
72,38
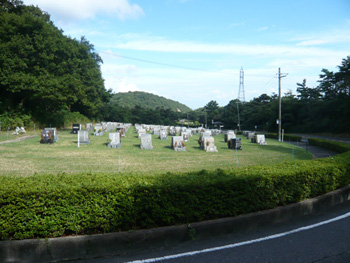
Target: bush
x,y
330,145
43,206
287,137
74,117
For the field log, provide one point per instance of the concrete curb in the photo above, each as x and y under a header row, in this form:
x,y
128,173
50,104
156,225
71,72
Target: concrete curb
x,y
113,244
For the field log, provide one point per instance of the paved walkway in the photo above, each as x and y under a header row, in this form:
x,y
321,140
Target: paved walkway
x,y
18,139
318,152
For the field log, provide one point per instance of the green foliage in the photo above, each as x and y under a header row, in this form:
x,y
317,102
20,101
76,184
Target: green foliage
x,y
74,117
50,206
44,72
330,145
14,119
147,101
287,137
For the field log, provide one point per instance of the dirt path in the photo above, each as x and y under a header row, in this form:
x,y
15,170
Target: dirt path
x,y
18,139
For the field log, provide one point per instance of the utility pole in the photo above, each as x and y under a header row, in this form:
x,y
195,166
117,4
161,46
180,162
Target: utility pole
x,y
280,75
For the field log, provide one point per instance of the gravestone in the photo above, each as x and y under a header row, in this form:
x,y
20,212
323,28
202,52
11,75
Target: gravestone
x,y
229,135
250,135
208,144
54,132
141,132
146,142
177,143
47,136
98,130
115,140
76,127
185,136
260,139
83,137
89,126
235,143
163,135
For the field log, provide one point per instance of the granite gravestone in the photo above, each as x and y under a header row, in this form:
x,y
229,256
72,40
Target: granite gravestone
x,y
75,128
235,143
83,137
115,140
177,143
146,142
98,130
163,135
208,144
260,139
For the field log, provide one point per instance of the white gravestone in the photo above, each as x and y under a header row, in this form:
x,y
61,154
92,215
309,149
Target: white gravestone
x,y
260,139
163,135
146,142
83,137
115,140
177,143
208,144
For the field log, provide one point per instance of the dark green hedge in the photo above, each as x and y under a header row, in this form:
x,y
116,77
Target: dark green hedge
x,y
286,137
330,145
58,205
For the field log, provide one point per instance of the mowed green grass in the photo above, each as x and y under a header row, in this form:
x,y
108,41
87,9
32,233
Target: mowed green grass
x,y
28,157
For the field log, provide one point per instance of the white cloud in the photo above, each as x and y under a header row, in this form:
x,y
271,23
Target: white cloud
x,y
264,28
164,45
69,10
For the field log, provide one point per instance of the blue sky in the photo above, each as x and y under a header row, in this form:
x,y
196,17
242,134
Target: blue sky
x,y
192,51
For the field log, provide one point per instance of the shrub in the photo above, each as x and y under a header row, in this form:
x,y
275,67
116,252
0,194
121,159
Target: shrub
x,y
334,146
43,206
287,137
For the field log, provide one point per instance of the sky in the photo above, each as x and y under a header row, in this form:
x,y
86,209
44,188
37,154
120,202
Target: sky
x,y
192,51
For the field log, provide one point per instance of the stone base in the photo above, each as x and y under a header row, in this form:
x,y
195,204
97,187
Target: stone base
x,y
117,146
180,149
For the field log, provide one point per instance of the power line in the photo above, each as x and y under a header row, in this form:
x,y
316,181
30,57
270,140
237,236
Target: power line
x,y
157,63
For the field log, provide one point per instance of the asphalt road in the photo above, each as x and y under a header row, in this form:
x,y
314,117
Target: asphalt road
x,y
322,238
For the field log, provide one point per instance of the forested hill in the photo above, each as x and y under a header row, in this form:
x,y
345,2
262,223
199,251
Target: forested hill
x,y
147,100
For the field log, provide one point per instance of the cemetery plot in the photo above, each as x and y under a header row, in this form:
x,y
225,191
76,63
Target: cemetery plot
x,y
28,157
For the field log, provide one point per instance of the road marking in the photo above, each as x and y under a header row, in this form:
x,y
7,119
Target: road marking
x,y
208,250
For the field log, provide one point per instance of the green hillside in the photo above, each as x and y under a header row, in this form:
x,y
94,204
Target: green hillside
x,y
147,100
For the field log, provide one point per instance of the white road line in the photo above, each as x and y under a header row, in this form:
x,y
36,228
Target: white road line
x,y
208,250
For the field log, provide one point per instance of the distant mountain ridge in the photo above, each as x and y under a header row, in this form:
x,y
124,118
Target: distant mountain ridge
x,y
147,100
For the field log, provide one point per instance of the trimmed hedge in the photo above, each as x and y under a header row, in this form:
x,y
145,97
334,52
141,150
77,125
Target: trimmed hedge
x,y
330,145
43,206
287,137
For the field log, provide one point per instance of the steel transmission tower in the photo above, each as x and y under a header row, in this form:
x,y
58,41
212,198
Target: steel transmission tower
x,y
241,95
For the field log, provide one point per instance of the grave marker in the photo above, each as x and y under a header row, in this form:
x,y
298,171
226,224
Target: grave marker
x,y
146,142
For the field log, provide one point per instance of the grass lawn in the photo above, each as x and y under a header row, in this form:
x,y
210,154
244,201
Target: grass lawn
x,y
29,156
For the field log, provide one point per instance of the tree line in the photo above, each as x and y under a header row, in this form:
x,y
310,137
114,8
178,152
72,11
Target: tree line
x,y
45,75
